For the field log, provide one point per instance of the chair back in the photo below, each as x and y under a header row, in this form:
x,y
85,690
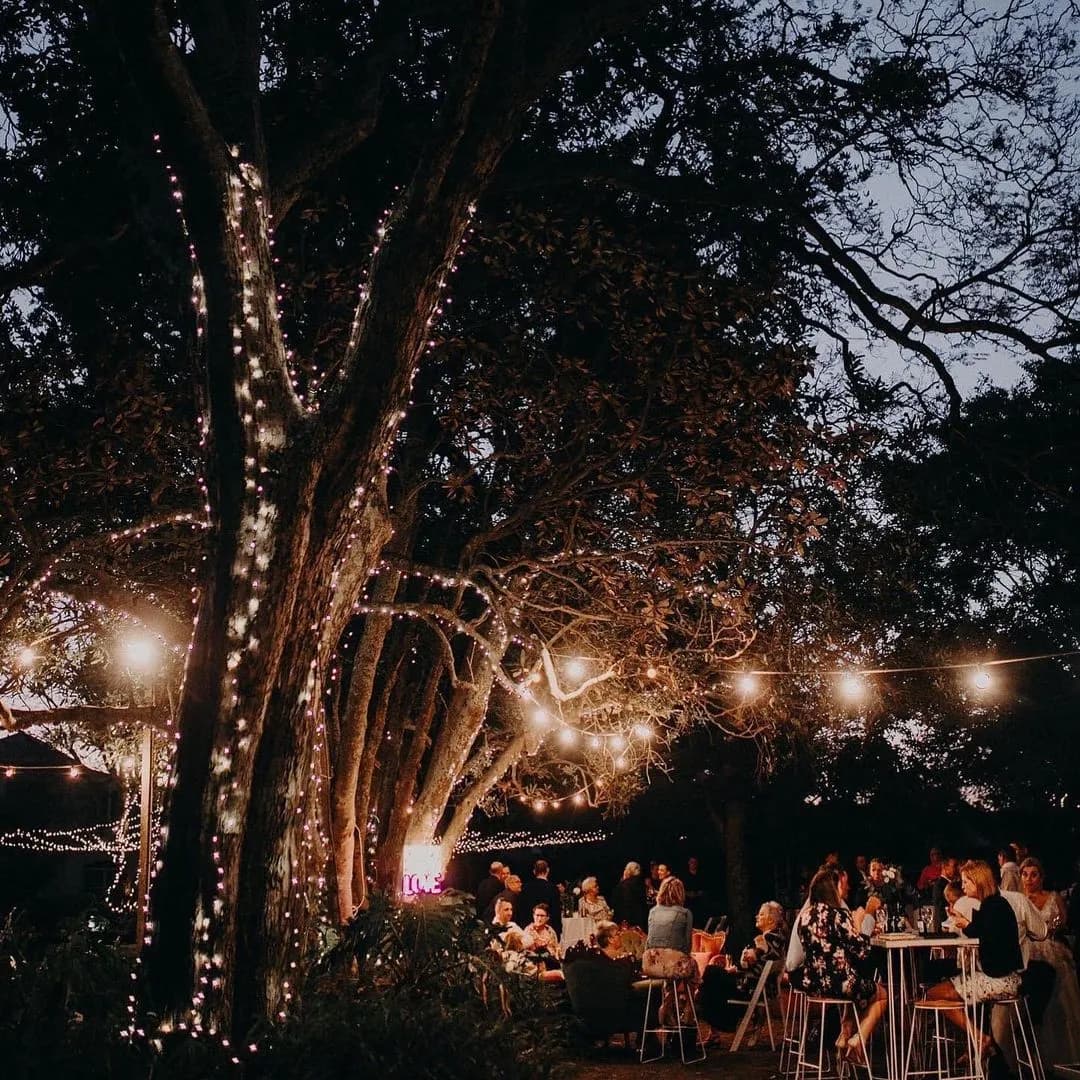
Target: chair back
x,y
710,944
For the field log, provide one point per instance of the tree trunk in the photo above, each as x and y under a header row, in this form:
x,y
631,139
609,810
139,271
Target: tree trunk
x,y
354,727
464,720
393,840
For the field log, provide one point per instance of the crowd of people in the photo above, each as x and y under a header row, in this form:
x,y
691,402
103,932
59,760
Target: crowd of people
x,y
823,947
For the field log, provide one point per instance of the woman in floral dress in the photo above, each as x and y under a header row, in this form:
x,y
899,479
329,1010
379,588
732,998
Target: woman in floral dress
x,y
837,954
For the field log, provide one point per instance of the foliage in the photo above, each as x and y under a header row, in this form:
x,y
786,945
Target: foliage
x,y
62,1002
405,992
413,990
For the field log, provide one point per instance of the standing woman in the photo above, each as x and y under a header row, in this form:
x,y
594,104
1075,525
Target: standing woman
x,y
1000,959
1059,1029
631,907
836,943
592,905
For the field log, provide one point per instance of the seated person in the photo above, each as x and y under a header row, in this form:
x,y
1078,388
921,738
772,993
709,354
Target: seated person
x,y
511,950
539,937
720,985
1000,959
600,984
503,921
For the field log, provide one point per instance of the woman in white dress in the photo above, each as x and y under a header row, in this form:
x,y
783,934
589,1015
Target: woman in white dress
x,y
1059,1032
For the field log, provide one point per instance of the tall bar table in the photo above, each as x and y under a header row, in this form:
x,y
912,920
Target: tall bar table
x,y
900,951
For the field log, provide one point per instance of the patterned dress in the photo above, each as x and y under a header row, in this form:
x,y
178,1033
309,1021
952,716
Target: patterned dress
x,y
837,955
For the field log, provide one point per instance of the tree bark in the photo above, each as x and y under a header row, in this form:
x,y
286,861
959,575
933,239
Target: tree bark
x,y
354,727
464,720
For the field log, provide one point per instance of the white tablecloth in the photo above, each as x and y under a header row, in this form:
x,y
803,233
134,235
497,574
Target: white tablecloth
x,y
575,929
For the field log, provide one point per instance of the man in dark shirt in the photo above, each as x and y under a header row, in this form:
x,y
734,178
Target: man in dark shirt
x,y
488,889
949,873
541,891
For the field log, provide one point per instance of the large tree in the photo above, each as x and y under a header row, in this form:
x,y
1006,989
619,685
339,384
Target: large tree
x,y
297,125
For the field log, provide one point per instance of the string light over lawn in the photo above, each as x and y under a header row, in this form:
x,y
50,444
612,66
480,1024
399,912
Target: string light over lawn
x,y
475,844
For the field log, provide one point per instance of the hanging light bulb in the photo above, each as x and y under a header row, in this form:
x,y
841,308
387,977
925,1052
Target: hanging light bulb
x,y
851,688
140,654
643,732
618,742
568,736
26,656
747,684
576,669
981,679
540,718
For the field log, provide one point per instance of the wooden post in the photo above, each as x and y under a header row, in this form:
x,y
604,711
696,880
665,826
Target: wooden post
x,y
146,807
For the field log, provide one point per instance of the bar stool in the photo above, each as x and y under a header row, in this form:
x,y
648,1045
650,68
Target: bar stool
x,y
1022,1030
685,1019
938,1044
794,1008
817,1067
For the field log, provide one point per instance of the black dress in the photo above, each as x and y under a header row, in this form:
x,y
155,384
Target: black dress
x,y
629,903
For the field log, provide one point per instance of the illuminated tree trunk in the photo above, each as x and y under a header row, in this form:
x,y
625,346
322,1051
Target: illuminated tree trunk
x,y
294,487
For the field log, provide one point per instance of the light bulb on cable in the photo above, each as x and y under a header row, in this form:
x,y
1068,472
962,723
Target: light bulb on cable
x,y
851,688
747,684
576,669
981,679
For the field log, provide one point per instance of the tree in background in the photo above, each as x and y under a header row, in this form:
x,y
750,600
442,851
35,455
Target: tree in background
x,y
762,128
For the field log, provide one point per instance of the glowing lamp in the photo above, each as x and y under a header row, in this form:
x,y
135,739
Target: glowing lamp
x,y
539,805
9,772
618,742
568,736
747,684
74,772
651,673
141,654
540,718
576,669
981,679
596,742
25,657
621,762
422,869
851,688
643,732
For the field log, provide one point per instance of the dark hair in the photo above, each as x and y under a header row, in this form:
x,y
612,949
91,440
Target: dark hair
x,y
542,907
540,867
1009,852
825,887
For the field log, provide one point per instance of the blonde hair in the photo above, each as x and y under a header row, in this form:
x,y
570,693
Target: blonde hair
x,y
672,893
589,883
632,869
980,874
